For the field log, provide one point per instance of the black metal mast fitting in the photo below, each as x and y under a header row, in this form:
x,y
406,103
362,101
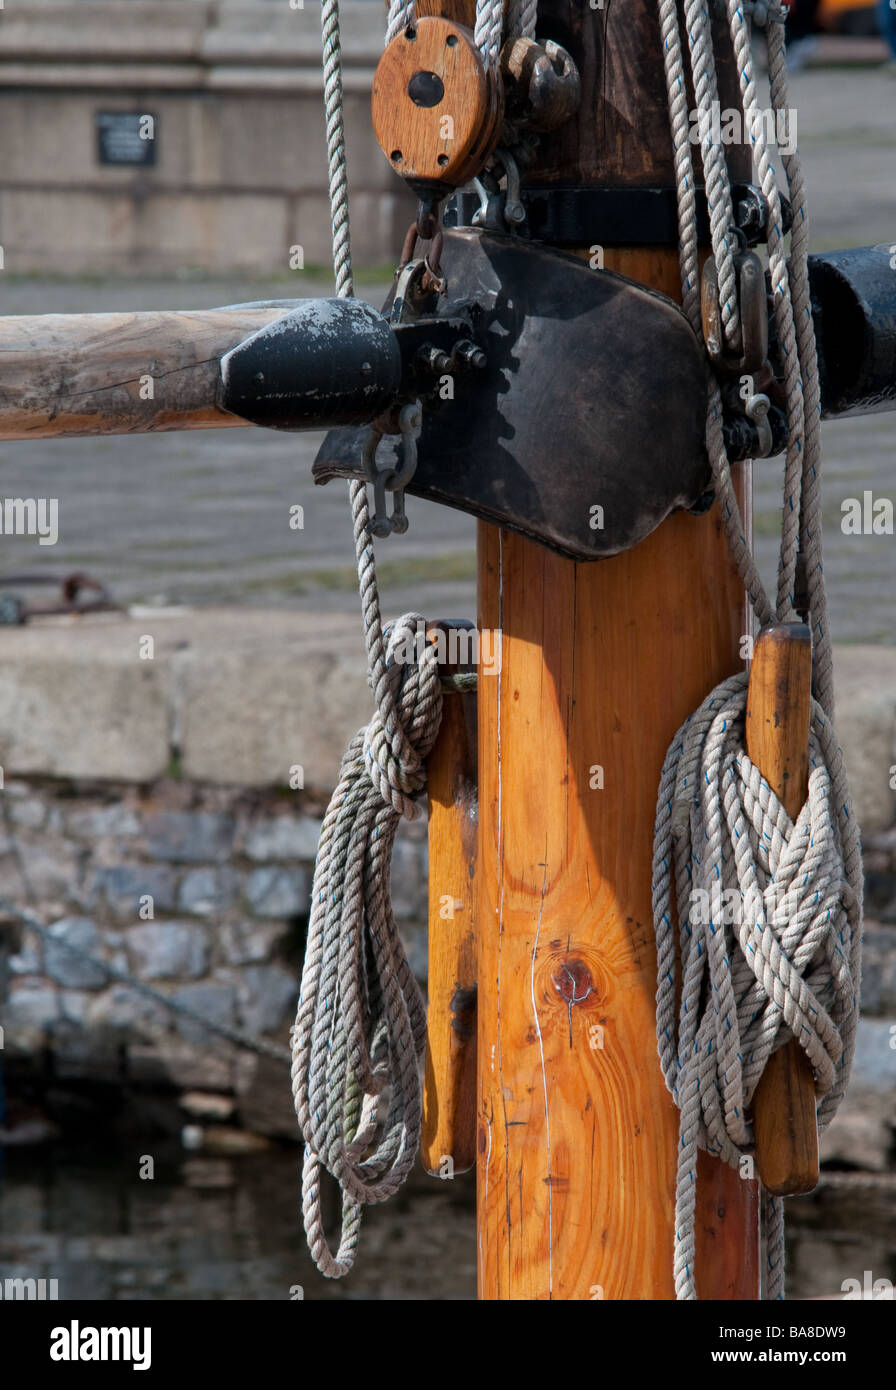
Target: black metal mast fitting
x,y
560,401
325,362
854,308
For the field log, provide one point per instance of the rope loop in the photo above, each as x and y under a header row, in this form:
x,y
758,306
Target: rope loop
x,y
758,931
400,734
361,1024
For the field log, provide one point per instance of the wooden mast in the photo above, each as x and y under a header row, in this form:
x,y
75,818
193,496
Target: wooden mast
x,y
601,663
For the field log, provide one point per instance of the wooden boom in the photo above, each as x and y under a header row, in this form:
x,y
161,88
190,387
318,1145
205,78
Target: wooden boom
x,y
63,375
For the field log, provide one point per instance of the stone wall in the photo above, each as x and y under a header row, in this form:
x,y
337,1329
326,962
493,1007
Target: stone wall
x,y
161,812
200,892
239,177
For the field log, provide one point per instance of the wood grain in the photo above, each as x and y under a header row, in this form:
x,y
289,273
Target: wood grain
x,y
461,11
778,716
620,136
577,1133
85,374
602,662
449,1100
447,142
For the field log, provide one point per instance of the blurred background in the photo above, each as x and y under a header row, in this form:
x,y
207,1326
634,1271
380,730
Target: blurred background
x,y
174,781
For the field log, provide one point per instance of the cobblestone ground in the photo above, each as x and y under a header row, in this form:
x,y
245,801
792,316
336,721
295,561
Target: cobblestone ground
x,y
202,517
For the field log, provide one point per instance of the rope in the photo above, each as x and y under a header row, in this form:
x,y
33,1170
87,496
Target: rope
x,y
361,1024
489,28
487,33
690,279
401,13
331,48
718,188
768,942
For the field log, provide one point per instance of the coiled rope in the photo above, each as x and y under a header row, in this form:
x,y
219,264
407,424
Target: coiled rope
x,y
769,912
360,1026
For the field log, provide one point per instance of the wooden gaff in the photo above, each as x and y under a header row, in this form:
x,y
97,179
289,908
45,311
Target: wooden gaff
x,y
65,375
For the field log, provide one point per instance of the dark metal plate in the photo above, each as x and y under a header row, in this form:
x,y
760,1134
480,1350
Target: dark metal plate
x,y
587,427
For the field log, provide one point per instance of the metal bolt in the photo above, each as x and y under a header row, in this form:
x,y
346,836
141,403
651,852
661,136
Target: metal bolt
x,y
426,89
432,359
469,355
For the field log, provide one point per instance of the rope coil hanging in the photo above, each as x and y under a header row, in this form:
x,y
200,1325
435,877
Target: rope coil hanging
x,y
784,959
767,943
361,1024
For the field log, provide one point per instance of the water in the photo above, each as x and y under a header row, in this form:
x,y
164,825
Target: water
x,y
230,1228
217,1228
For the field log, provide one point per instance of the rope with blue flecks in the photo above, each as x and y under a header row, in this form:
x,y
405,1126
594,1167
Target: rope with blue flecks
x,y
763,942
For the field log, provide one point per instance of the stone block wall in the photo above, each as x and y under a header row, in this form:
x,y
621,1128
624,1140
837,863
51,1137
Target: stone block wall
x,y
200,892
147,818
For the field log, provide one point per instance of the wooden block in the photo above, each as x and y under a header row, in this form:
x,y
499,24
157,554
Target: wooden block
x,y
460,11
435,111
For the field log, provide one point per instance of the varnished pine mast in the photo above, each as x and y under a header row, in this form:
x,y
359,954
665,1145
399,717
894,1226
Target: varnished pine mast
x,y
602,662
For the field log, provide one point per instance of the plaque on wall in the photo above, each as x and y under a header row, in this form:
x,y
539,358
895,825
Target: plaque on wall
x,y
126,137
